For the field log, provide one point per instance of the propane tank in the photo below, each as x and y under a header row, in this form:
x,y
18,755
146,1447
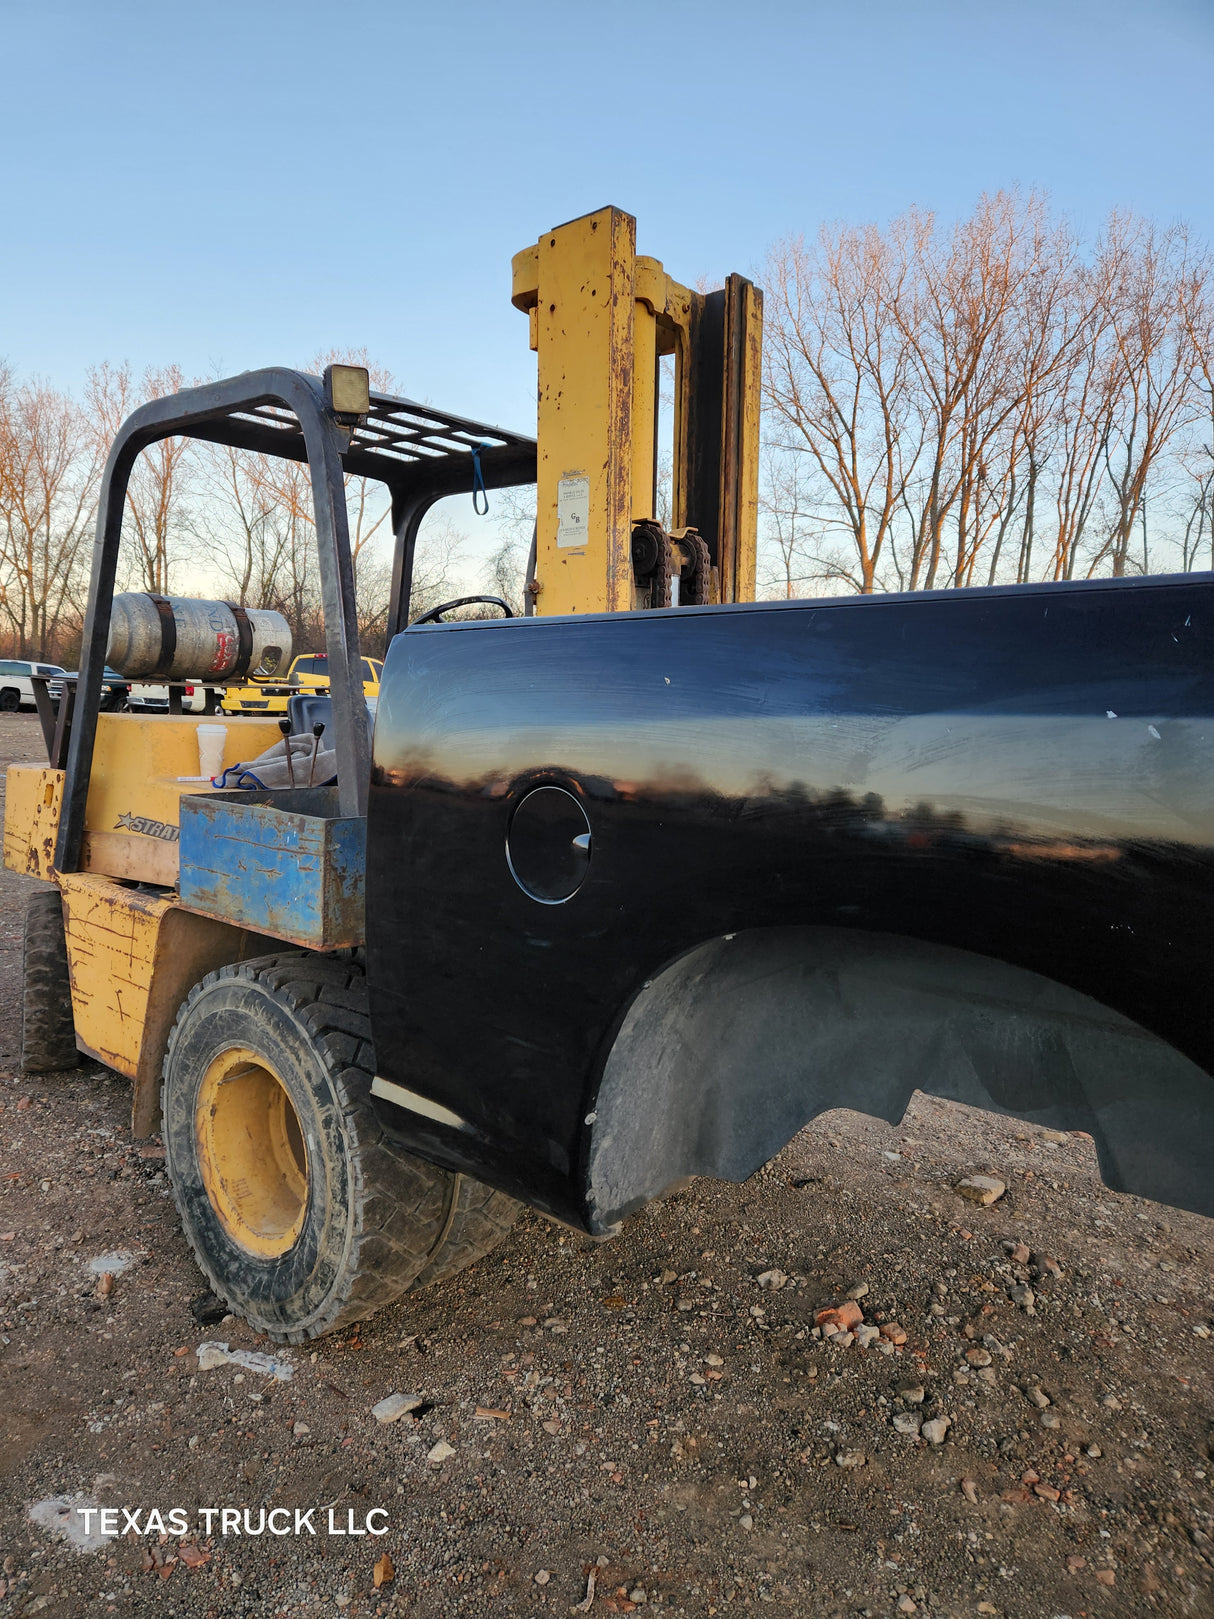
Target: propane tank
x,y
176,638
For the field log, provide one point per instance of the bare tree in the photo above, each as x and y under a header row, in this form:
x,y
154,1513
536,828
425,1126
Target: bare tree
x,y
837,378
244,531
1198,456
960,315
48,473
799,554
984,403
435,566
1156,282
156,492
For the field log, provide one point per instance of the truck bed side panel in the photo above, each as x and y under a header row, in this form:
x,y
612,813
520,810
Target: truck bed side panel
x,y
1025,776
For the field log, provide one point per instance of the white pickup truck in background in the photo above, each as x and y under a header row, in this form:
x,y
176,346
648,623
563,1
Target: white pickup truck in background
x,y
16,685
195,699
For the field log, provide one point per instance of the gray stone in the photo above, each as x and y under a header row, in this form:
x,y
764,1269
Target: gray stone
x,y
394,1406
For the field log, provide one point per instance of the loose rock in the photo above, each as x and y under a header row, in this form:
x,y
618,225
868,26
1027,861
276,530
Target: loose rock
x,y
981,1189
839,1317
936,1430
394,1406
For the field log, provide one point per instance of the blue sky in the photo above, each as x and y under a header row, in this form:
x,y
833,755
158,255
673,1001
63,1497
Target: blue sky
x,y
228,185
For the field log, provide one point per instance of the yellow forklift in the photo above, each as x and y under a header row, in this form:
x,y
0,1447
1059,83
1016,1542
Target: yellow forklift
x,y
207,942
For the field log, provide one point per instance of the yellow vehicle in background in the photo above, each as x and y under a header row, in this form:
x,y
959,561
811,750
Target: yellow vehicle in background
x,y
308,672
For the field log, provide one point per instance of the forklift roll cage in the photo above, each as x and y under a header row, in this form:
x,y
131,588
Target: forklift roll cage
x,y
419,453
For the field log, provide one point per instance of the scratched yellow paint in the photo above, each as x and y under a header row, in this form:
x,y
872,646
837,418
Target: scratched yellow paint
x,y
112,936
32,798
600,317
579,280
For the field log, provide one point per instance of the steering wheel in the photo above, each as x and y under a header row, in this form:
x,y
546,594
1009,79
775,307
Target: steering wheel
x,y
434,616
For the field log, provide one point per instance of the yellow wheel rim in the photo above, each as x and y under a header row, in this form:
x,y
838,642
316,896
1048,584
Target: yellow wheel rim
x,y
251,1153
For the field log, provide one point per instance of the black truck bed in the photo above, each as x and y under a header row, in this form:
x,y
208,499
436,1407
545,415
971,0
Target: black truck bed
x,y
837,851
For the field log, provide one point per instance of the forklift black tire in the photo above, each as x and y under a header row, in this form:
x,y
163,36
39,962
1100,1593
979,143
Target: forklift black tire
x,y
479,1217
48,1034
302,1214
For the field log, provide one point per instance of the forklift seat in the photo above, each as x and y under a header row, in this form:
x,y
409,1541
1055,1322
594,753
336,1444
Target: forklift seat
x,y
307,709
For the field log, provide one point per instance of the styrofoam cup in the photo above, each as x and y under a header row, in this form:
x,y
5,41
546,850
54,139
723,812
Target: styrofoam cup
x,y
211,739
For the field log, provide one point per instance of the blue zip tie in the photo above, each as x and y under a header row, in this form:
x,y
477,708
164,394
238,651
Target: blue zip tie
x,y
479,492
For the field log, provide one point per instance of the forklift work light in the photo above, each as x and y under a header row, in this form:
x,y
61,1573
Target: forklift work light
x,y
348,391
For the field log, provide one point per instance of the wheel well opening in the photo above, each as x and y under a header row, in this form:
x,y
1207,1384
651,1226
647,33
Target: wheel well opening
x,y
737,1045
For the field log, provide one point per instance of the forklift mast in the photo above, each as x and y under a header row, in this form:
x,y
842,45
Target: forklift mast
x,y
601,318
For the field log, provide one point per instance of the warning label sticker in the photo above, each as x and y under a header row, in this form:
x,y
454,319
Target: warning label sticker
x,y
573,509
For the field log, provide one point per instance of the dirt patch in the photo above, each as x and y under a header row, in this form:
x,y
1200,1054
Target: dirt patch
x,y
1020,1423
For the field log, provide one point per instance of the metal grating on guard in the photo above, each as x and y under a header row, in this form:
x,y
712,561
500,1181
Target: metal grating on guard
x,y
397,433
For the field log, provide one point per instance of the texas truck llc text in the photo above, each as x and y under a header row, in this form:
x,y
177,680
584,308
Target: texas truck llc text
x,y
118,1521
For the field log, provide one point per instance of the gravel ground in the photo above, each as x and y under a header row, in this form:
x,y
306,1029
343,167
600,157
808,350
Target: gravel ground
x,y
1032,1436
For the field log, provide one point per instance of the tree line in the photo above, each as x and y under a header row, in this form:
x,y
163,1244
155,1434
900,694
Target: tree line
x,y
998,400
199,518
